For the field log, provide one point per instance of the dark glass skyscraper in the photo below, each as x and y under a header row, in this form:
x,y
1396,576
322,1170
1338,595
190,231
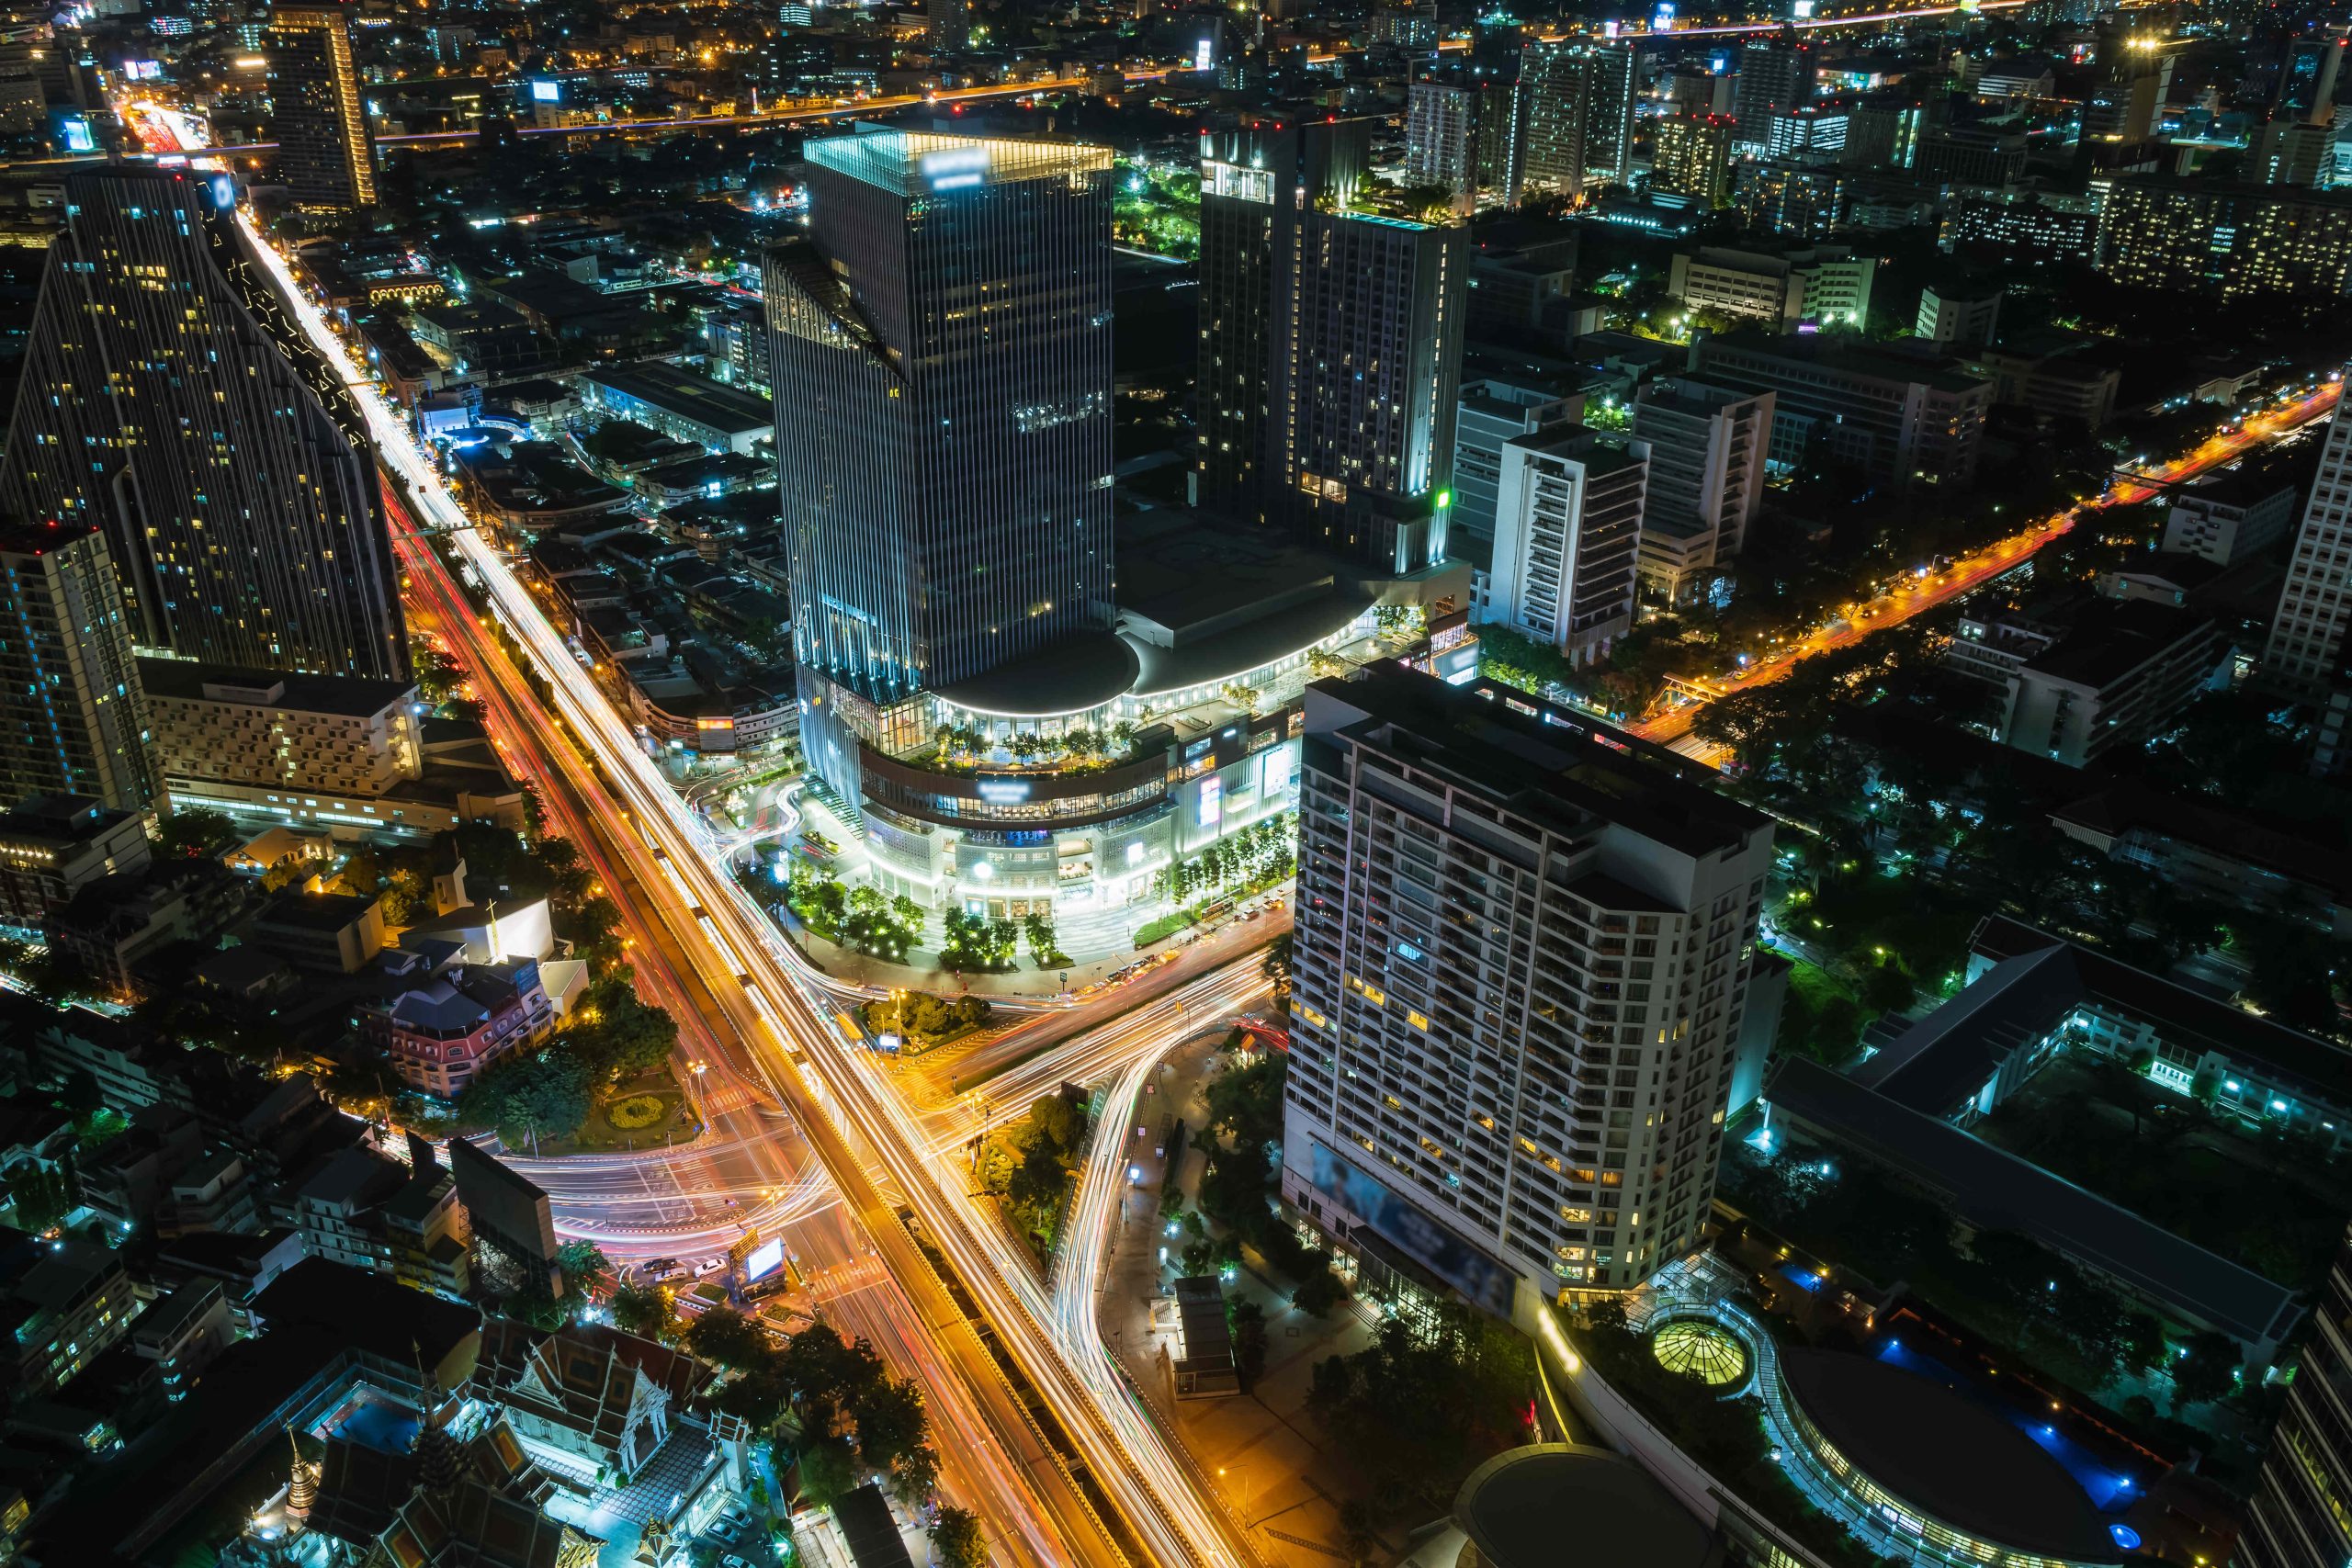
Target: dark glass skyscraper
x,y
942,343
1330,347
169,402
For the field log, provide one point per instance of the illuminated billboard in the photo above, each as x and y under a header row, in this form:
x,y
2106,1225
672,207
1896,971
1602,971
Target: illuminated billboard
x,y
764,1260
547,92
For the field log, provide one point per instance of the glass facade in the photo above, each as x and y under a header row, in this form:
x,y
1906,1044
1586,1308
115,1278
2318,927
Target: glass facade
x,y
942,343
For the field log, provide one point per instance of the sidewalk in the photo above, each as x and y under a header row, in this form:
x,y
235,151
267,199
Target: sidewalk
x,y
1261,1450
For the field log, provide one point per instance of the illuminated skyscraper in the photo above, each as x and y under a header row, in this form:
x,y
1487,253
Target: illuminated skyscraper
x,y
326,154
942,339
1774,78
71,710
2299,1517
2307,80
2307,635
2127,99
1693,158
1463,135
1521,966
169,401
1330,347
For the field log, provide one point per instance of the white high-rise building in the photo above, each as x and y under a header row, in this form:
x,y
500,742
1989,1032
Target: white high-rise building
x,y
1568,537
1707,446
1523,957
2306,647
1442,136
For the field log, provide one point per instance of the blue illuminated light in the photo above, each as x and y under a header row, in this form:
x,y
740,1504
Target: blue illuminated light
x,y
2125,1537
956,168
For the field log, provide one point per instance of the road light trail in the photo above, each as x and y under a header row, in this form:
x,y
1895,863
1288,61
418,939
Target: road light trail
x,y
1994,560
1156,1494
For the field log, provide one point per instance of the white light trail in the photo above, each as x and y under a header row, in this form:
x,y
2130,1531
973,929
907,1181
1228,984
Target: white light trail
x,y
1161,1498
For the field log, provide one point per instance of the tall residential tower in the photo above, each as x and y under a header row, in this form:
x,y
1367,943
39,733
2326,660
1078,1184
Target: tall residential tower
x,y
71,715
2307,653
326,154
2299,1517
1330,347
169,401
1523,959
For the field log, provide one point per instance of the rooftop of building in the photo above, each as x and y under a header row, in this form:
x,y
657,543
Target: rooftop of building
x,y
2243,485
1689,396
59,819
1203,599
1083,671
456,1001
370,1313
293,909
689,394
2197,184
1600,452
1513,1507
349,696
39,538
915,162
1842,352
1554,766
2319,1066
1947,1455
1993,1189
2110,638
868,1529
2289,850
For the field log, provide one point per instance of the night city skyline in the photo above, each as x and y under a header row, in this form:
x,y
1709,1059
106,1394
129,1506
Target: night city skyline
x,y
1150,783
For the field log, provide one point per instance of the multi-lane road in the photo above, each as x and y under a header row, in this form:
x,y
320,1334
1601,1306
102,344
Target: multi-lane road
x,y
1918,596
1121,1488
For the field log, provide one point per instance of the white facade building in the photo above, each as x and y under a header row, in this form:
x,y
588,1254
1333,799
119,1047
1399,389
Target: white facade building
x,y
1708,447
1568,537
2307,635
1523,962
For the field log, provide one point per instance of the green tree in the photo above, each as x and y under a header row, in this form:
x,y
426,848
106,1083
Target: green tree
x,y
647,1313
914,1475
956,1536
824,1368
829,1471
1248,1322
2207,1369
725,1337
196,833
1319,1293
542,1095
1055,1120
1330,1386
890,1421
581,1260
2291,974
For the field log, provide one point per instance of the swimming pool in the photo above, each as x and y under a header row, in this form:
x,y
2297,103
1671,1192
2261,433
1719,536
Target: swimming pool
x,y
385,1428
